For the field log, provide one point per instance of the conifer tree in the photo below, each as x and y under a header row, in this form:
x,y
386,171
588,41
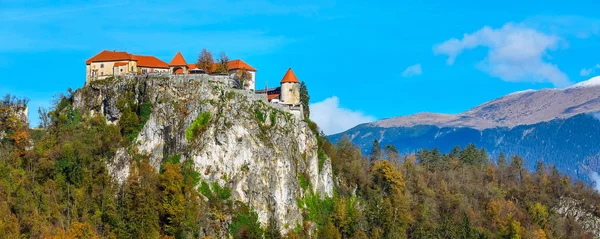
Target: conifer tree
x,y
304,99
375,151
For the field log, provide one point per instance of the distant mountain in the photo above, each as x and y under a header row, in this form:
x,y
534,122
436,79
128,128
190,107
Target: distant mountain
x,y
559,127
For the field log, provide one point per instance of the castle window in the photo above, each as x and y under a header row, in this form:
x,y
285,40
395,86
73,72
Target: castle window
x,y
101,65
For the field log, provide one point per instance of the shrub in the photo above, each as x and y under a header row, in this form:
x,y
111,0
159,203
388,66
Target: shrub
x,y
272,118
198,126
230,95
245,224
259,115
318,210
322,158
145,111
303,181
214,191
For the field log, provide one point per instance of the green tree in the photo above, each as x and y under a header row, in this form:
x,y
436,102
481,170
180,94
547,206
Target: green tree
x,y
304,99
375,151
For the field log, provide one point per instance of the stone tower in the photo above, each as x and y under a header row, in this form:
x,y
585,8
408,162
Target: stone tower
x,y
290,88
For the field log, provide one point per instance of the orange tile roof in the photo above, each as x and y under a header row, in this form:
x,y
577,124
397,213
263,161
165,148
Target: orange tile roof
x,y
192,66
179,71
273,96
150,61
233,65
239,64
289,77
178,60
120,64
109,56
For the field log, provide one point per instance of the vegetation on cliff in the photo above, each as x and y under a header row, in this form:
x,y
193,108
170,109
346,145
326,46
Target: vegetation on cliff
x,y
60,187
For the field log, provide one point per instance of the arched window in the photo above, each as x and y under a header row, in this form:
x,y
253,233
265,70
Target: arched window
x,y
101,65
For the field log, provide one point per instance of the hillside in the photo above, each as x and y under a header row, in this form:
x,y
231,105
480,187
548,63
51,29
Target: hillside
x,y
227,143
555,126
190,157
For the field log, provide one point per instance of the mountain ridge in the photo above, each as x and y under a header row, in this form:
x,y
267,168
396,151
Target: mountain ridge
x,y
558,127
517,108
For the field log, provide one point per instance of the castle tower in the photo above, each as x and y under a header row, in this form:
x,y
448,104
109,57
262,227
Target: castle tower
x,y
290,88
178,65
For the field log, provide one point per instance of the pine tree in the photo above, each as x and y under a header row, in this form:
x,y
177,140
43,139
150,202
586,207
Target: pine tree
x,y
304,99
502,160
375,151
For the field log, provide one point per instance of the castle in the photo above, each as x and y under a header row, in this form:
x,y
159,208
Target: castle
x,y
121,63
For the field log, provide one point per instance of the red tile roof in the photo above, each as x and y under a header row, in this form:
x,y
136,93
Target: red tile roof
x,y
289,77
120,64
179,71
234,65
192,66
150,61
178,60
109,56
153,62
273,96
239,64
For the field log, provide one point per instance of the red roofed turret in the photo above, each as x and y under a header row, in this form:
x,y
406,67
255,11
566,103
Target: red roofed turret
x,y
289,77
178,60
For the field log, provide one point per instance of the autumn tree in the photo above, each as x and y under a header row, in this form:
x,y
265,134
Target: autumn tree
x,y
141,201
222,65
205,61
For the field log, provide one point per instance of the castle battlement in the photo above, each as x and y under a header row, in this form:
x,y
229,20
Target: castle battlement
x,y
234,74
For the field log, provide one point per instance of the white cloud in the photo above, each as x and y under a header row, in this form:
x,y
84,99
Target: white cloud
x,y
516,53
413,70
589,71
596,178
333,119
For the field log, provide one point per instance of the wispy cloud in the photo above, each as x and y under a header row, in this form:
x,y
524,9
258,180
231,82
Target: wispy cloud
x,y
333,119
589,71
413,70
516,53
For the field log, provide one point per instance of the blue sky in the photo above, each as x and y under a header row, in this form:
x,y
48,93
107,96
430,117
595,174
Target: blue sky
x,y
362,60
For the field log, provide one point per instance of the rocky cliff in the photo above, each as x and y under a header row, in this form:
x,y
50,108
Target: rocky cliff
x,y
584,213
233,136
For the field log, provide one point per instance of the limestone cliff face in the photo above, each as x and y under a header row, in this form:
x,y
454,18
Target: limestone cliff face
x,y
256,150
582,212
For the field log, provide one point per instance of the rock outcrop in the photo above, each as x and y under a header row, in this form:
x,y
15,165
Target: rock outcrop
x,y
583,213
256,150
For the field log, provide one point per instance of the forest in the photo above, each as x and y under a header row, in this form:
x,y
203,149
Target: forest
x,y
54,183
